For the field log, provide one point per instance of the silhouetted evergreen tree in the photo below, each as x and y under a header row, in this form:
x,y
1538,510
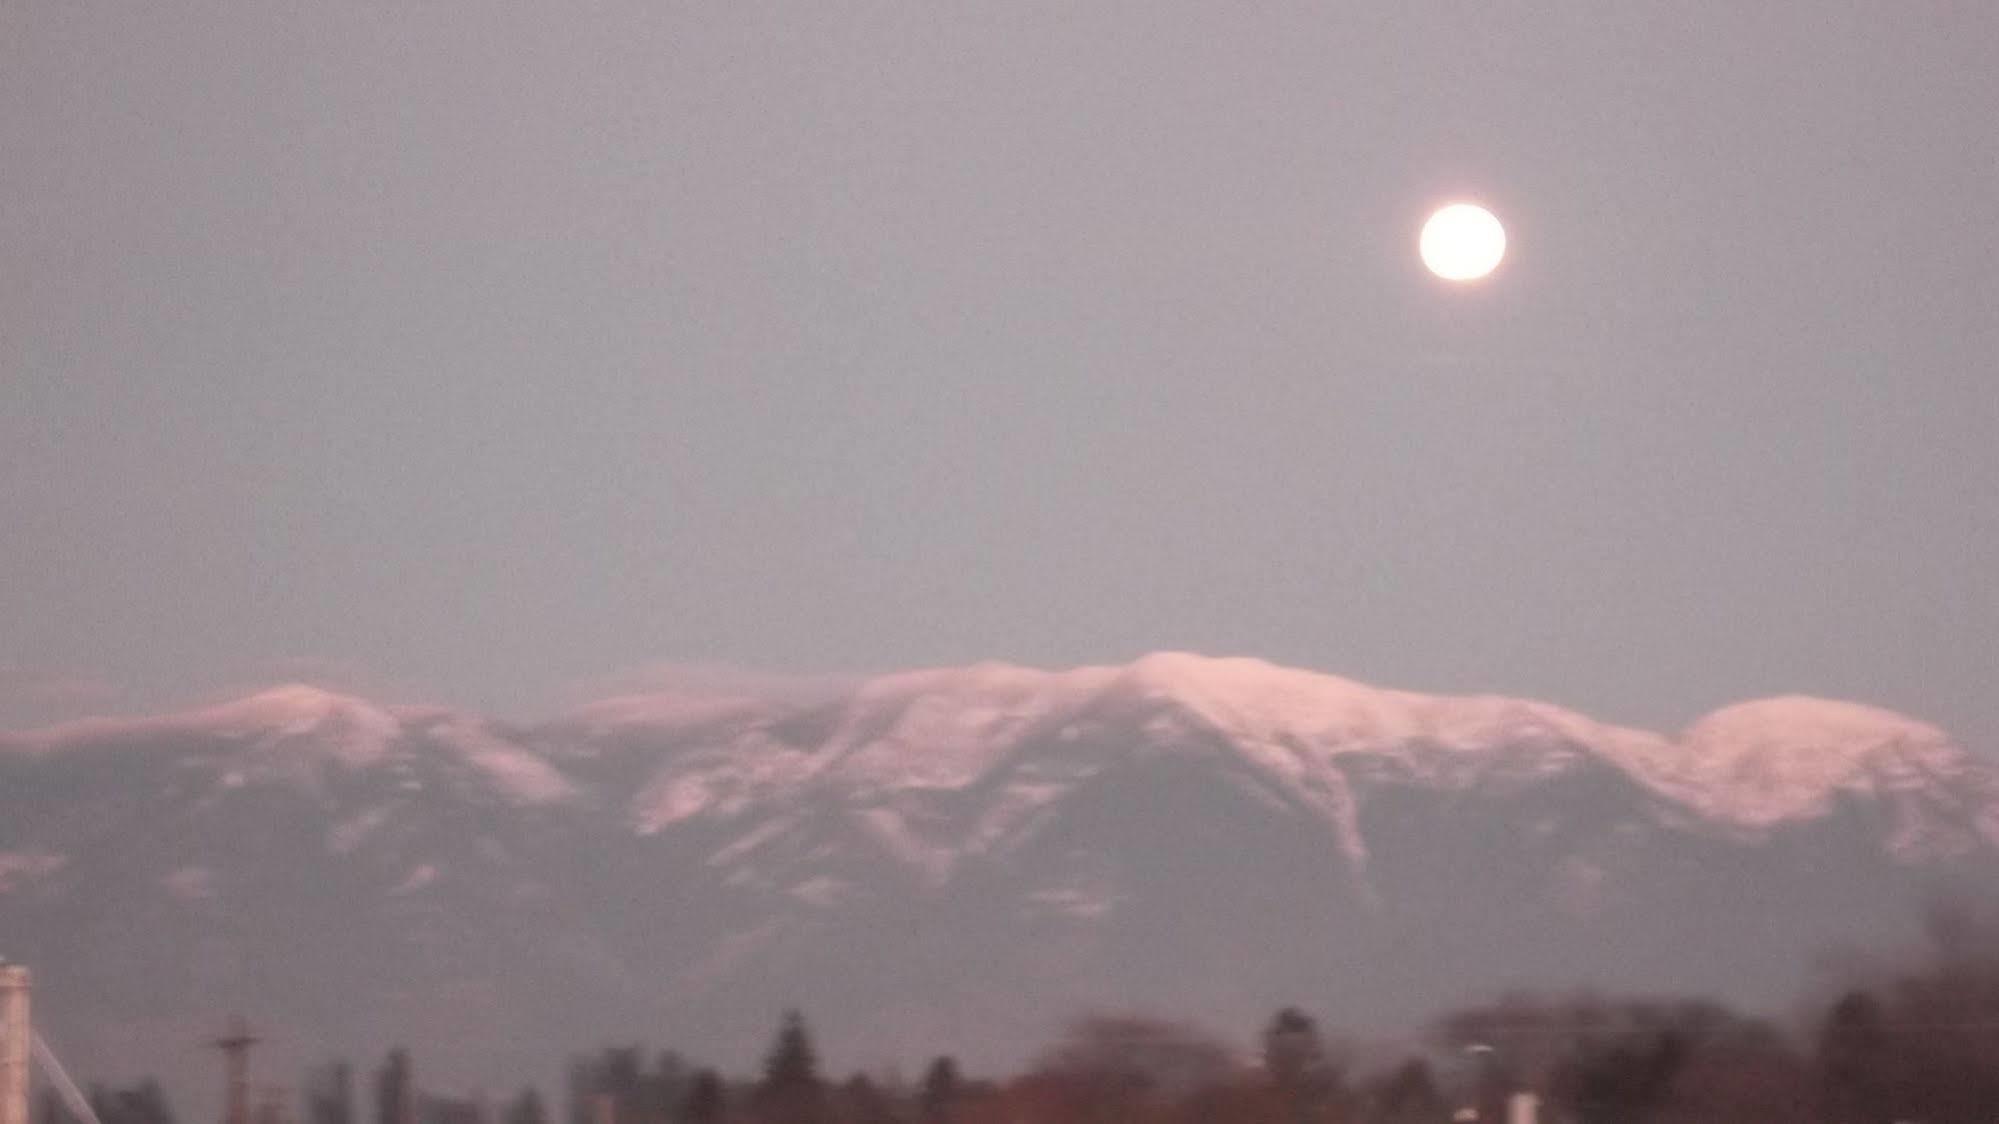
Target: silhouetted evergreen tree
x,y
943,1085
791,1090
395,1089
706,1102
1295,1061
1854,1054
620,1084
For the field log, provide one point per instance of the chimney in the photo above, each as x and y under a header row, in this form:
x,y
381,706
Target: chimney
x,y
16,1044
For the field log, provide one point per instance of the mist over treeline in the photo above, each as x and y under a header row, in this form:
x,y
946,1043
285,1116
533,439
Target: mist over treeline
x,y
1914,1042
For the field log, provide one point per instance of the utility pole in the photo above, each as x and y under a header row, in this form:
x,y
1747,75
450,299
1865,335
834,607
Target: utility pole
x,y
17,1038
235,1044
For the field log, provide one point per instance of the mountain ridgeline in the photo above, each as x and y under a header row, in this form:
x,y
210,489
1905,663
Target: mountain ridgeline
x,y
942,860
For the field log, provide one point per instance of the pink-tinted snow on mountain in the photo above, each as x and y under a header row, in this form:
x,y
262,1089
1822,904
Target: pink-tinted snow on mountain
x,y
951,858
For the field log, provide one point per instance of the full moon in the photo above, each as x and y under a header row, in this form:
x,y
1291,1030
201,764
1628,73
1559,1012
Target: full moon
x,y
1462,242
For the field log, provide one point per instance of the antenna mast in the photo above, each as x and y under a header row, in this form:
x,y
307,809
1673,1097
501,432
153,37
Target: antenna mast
x,y
235,1044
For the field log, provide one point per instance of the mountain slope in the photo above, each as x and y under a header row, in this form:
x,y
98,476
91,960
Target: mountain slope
x,y
953,858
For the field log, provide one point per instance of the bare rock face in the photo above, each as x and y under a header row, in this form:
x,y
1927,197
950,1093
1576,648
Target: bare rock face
x,y
953,859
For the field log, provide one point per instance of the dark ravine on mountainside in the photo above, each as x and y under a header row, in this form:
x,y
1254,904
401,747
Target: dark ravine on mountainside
x,y
939,860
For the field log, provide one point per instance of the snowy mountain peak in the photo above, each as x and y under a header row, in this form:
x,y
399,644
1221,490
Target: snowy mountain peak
x,y
348,728
1826,725
701,748
1784,758
355,731
300,735
1310,737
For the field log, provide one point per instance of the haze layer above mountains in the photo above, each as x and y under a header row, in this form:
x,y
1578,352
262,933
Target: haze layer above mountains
x,y
942,860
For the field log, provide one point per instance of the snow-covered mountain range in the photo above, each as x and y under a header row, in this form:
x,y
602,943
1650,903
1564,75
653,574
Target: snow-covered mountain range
x,y
940,860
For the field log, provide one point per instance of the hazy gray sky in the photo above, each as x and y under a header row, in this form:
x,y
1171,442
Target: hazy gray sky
x,y
472,350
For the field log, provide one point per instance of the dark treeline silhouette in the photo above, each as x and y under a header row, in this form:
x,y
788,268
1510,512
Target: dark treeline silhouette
x,y
1916,1045
1920,1045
